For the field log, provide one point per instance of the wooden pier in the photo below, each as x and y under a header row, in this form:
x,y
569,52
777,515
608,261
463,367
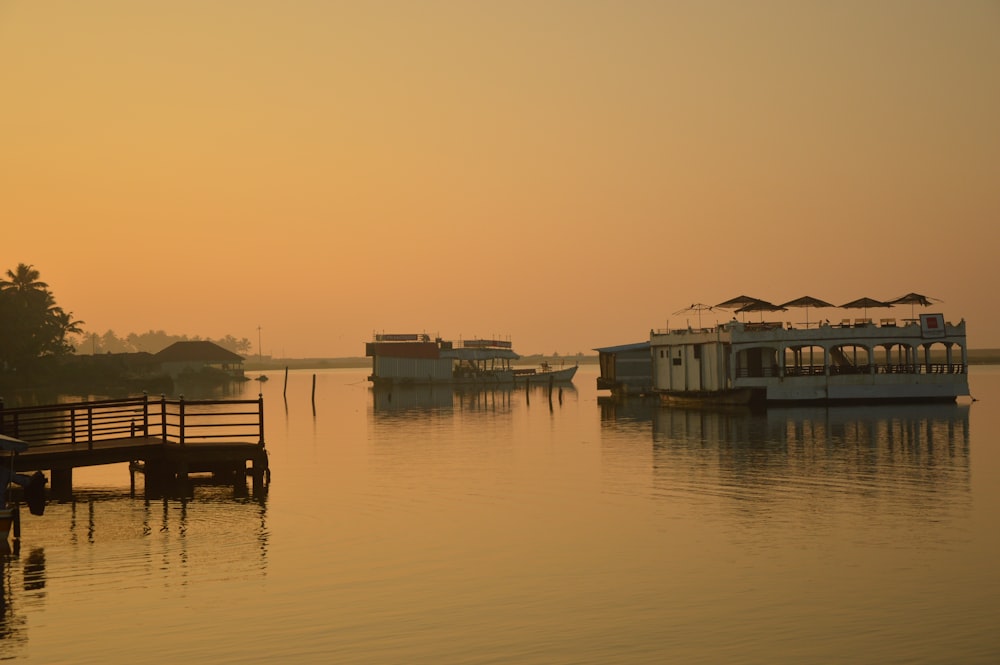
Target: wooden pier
x,y
166,440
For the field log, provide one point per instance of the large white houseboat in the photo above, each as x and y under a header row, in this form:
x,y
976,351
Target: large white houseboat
x,y
417,359
921,359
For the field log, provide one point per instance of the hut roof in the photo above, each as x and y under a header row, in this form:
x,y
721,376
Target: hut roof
x,y
201,351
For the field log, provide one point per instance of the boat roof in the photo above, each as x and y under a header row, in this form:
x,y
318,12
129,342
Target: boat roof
x,y
637,346
464,353
12,444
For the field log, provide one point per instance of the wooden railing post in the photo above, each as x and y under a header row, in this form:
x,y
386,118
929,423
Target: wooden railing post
x,y
72,424
163,417
260,417
145,413
181,421
90,428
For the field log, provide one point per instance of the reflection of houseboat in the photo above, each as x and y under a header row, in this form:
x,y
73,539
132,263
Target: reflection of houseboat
x,y
415,359
924,360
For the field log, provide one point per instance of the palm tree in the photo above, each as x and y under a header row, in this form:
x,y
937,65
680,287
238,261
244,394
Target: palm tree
x,y
59,324
31,324
24,279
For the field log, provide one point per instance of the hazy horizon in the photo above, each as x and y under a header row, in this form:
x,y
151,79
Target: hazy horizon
x,y
563,174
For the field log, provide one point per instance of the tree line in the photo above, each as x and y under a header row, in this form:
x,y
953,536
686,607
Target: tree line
x,y
152,341
33,327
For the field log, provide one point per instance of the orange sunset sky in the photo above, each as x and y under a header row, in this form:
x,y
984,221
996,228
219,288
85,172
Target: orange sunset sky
x,y
564,173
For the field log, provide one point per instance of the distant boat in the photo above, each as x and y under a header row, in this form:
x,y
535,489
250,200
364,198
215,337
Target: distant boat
x,y
416,359
262,377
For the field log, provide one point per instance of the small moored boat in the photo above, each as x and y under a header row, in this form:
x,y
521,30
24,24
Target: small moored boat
x,y
417,359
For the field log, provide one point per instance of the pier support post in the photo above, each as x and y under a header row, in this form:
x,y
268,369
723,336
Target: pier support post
x,y
259,472
62,483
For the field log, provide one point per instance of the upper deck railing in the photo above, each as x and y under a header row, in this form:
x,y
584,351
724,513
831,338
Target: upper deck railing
x,y
762,326
173,420
455,344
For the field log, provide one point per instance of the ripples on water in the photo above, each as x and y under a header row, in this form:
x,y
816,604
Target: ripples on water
x,y
501,526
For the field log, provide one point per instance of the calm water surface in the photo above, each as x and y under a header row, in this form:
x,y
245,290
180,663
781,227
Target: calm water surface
x,y
499,527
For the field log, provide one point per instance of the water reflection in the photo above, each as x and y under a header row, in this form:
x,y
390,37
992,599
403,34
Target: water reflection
x,y
627,410
936,432
908,453
416,400
233,532
911,460
13,635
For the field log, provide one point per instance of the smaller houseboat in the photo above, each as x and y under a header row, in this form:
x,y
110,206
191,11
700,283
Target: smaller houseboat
x,y
417,359
626,369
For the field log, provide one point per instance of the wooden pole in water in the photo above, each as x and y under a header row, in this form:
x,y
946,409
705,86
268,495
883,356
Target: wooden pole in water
x,y
284,392
314,393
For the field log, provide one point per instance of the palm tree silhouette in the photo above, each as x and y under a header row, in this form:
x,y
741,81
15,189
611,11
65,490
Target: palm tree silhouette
x,y
23,280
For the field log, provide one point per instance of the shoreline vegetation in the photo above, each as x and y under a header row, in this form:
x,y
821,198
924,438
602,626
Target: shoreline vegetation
x,y
253,364
357,362
53,379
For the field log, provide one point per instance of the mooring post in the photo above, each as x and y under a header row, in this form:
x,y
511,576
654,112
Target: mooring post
x,y
314,393
284,391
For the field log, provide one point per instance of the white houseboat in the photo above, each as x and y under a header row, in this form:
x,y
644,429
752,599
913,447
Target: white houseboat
x,y
417,359
923,360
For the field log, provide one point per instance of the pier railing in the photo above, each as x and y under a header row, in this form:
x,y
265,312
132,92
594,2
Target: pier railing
x,y
173,420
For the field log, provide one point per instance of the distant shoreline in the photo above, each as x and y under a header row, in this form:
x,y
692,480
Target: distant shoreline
x,y
358,362
976,357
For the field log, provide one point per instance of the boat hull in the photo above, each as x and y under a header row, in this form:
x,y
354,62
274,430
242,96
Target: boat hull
x,y
555,375
493,378
739,397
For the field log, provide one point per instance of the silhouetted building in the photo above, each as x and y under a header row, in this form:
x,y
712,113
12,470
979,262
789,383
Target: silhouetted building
x,y
186,358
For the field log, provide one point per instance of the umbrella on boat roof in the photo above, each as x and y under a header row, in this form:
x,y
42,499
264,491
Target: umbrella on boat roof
x,y
760,306
806,302
913,299
695,307
737,302
864,303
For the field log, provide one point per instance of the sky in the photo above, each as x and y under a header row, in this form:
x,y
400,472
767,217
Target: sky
x,y
563,174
